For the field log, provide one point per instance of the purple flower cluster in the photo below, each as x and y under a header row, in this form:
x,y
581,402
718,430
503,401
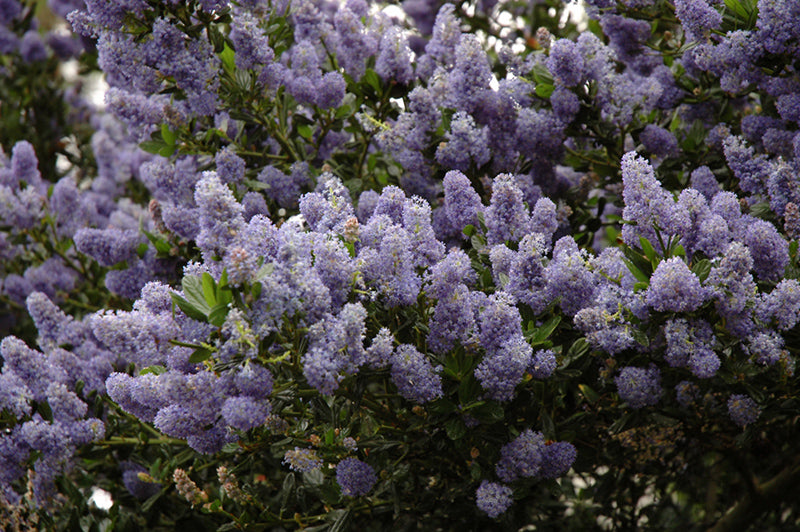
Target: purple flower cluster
x,y
743,410
639,387
355,478
493,498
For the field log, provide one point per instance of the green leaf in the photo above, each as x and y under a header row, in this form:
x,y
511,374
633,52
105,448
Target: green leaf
x,y
541,74
341,521
218,314
372,79
637,272
194,292
146,505
544,90
456,429
468,390
589,394
200,354
701,269
152,146
166,151
578,349
188,308
305,131
286,489
228,58
548,427
168,135
490,412
155,370
649,252
209,289
544,332
314,477
161,245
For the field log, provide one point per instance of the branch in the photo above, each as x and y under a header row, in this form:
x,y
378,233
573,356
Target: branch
x,y
766,495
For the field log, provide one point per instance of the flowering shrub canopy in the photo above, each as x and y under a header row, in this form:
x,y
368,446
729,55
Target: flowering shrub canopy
x,y
320,264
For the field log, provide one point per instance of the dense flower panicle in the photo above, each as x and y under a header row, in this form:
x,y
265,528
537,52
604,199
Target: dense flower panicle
x,y
687,393
453,320
54,326
659,141
506,217
465,144
394,59
415,377
328,208
565,62
522,457
138,336
391,267
639,387
221,216
540,135
230,167
335,348
543,364
254,380
781,306
282,188
686,340
751,170
646,203
133,476
604,328
461,203
565,104
568,277
354,44
335,267
544,219
674,288
769,250
493,499
367,201
187,488
426,249
446,36
766,348
524,270
503,368
250,43
697,17
244,412
557,458
379,353
627,37
107,246
444,277
732,287
743,410
776,28
32,367
703,180
704,363
355,478
500,322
